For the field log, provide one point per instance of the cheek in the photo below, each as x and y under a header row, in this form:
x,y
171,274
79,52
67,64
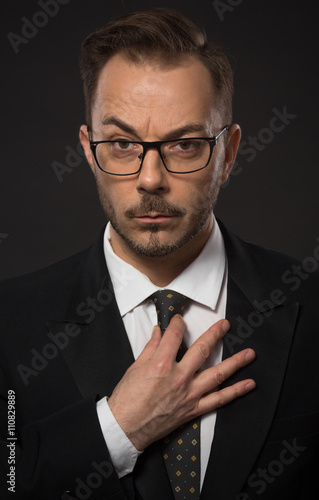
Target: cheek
x,y
203,193
117,192
198,202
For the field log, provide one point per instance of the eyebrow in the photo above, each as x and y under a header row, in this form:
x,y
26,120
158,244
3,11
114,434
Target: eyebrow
x,y
173,134
112,120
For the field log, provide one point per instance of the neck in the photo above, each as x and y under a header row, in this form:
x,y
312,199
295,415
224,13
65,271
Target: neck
x,y
163,270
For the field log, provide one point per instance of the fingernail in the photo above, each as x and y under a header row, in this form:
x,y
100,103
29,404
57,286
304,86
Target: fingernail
x,y
178,316
250,355
225,326
155,328
250,385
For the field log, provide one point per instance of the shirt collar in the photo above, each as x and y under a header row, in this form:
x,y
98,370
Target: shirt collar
x,y
200,281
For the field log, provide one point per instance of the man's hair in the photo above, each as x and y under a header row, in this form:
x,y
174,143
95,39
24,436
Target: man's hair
x,y
158,36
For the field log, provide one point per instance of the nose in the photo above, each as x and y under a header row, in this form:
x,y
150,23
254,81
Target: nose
x,y
153,175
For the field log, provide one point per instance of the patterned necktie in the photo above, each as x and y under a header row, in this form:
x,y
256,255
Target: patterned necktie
x,y
181,450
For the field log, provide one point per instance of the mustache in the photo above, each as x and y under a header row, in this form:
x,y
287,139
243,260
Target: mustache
x,y
153,203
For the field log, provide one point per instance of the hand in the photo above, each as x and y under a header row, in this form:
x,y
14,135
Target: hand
x,y
157,394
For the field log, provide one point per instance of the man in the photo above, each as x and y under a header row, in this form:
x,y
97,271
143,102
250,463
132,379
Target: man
x,y
100,402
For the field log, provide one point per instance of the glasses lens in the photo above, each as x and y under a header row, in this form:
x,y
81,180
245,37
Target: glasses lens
x,y
119,157
186,155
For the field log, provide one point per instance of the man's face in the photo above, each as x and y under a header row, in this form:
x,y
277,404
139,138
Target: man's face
x,y
155,212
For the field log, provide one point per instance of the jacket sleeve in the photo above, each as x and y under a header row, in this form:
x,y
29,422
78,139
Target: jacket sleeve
x,y
64,452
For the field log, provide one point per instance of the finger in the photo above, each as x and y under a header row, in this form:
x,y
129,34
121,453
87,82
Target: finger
x,y
172,339
198,352
212,378
151,347
217,399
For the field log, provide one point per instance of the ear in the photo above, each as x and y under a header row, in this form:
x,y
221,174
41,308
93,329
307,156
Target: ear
x,y
231,148
84,138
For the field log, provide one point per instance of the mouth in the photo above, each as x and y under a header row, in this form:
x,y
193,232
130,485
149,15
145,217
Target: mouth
x,y
154,218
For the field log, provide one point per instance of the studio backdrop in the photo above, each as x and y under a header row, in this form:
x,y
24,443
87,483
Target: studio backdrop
x,y
49,205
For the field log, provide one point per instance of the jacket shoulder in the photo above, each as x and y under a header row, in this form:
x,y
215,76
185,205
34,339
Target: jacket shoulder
x,y
254,264
54,272
42,290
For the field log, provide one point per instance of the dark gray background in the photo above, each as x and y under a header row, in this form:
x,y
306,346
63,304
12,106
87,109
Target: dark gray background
x,y
274,199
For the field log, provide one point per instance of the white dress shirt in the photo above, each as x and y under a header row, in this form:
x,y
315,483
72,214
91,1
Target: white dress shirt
x,y
204,282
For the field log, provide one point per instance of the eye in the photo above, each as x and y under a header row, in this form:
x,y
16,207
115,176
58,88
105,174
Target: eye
x,y
187,146
124,145
122,148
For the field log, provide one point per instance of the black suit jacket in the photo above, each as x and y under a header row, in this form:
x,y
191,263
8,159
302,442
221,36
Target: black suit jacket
x,y
63,346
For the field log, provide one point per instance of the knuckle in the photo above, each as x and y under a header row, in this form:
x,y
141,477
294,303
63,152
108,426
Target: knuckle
x,y
234,363
162,367
220,400
179,381
190,405
217,333
220,377
177,332
203,350
237,392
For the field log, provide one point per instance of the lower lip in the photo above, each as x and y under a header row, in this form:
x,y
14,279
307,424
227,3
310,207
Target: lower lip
x,y
154,220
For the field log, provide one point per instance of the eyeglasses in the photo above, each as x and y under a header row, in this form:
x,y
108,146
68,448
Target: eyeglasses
x,y
179,156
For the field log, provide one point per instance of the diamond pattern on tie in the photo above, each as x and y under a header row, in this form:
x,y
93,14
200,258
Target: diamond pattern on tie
x,y
182,459
168,303
181,451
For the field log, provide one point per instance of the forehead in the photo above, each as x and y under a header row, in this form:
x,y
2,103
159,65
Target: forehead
x,y
152,97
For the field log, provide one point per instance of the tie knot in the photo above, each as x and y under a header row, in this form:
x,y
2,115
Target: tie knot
x,y
167,304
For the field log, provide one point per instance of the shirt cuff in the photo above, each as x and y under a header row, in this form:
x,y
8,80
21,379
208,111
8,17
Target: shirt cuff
x,y
122,452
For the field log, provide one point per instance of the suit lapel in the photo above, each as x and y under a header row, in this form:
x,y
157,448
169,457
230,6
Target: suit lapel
x,y
98,350
256,322
242,426
99,353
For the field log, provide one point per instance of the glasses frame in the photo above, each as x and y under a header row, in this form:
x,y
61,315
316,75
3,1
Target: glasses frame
x,y
157,145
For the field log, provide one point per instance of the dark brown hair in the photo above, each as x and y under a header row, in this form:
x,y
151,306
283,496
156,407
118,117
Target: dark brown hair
x,y
161,36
